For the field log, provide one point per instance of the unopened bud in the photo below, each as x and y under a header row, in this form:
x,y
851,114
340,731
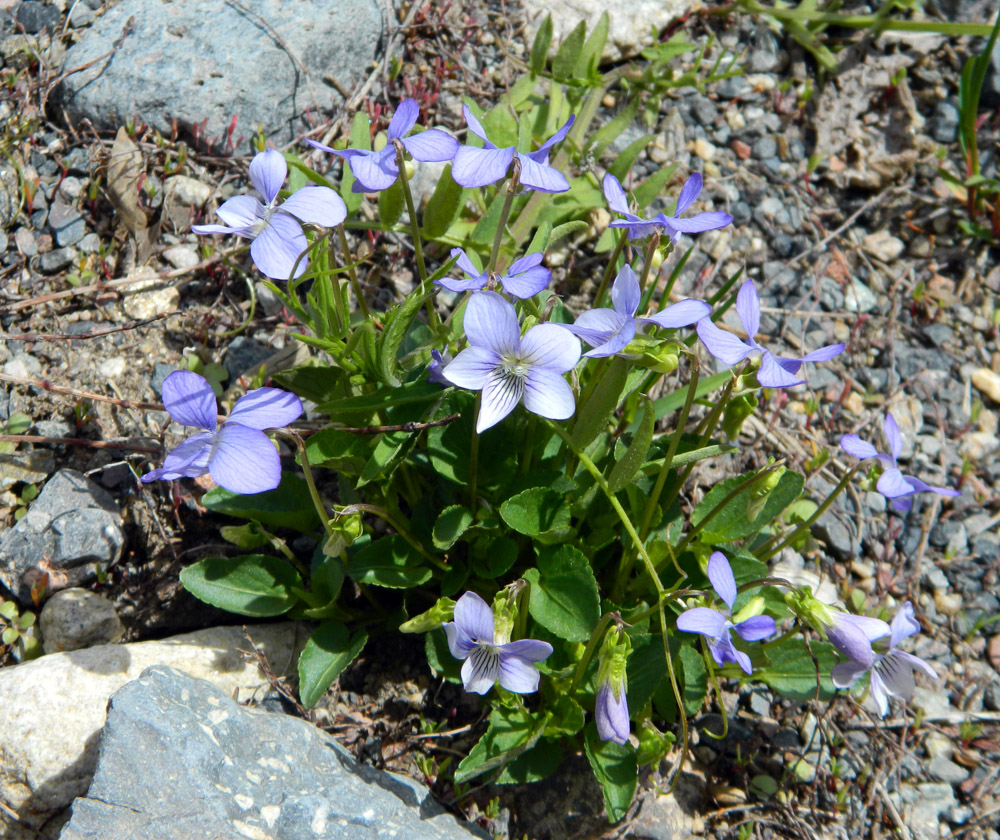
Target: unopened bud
x,y
437,615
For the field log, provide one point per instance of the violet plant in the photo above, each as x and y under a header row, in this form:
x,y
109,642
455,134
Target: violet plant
x,y
584,518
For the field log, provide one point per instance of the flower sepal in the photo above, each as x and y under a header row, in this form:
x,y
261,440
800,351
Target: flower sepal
x,y
810,610
653,745
442,611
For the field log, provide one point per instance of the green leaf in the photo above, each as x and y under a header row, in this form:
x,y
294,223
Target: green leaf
x,y
439,656
616,771
247,536
626,468
444,205
682,459
566,229
565,61
319,384
257,585
486,227
695,679
731,522
540,241
326,581
362,408
601,404
612,130
536,511
532,766
397,326
450,525
792,672
336,450
672,402
390,205
287,506
623,163
9,635
330,649
512,732
564,596
390,562
651,188
494,557
590,56
540,47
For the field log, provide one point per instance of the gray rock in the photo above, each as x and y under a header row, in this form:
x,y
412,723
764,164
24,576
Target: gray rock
x,y
923,807
35,16
77,618
81,15
234,772
56,260
266,66
24,239
244,355
40,775
10,195
703,109
4,242
944,123
161,372
90,244
66,223
71,529
764,147
945,770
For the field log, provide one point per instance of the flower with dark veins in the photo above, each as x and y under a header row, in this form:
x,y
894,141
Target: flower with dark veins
x,y
275,230
508,367
891,671
489,660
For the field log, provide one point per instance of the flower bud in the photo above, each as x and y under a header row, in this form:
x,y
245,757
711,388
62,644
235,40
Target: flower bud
x,y
441,612
611,706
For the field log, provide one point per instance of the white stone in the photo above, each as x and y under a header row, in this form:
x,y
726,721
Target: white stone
x,y
112,368
54,707
184,190
883,246
988,382
632,22
181,256
149,296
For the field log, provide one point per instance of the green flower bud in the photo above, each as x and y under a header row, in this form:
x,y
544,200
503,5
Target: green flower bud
x,y
809,609
437,615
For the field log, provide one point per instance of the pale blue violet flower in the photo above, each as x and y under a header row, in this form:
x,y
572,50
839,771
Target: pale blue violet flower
x,y
608,331
775,371
524,279
435,370
275,231
892,483
508,367
376,171
471,638
611,712
661,223
237,455
478,167
715,625
892,671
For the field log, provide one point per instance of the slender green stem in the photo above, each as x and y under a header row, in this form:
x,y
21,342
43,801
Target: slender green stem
x,y
474,458
324,517
647,262
874,21
751,482
346,248
772,546
529,446
512,185
678,697
404,182
668,459
398,527
610,271
588,652
418,244
710,665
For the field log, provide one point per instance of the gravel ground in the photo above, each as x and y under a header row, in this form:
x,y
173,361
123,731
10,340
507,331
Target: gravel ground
x,y
864,248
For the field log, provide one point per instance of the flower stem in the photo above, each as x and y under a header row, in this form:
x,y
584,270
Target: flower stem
x,y
418,244
513,184
610,270
647,262
668,459
588,652
313,491
773,546
346,248
474,457
397,526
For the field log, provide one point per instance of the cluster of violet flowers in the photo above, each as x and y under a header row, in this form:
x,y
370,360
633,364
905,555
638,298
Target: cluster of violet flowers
x,y
510,368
